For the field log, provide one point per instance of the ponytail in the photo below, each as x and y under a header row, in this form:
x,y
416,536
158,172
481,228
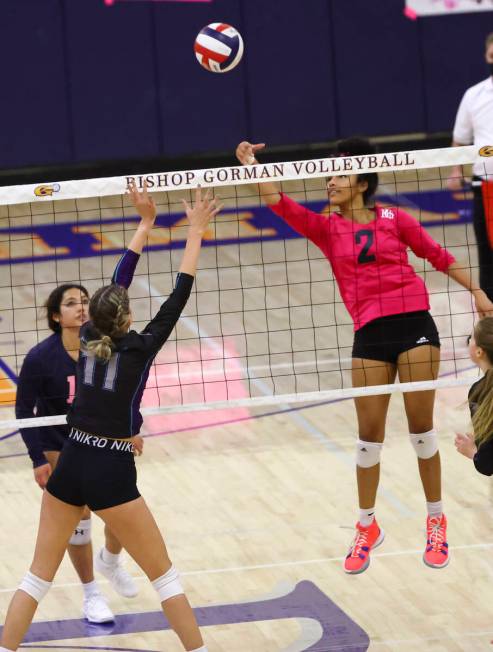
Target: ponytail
x,y
102,348
482,395
482,420
109,311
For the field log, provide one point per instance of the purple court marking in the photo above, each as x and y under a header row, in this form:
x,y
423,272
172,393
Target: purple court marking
x,y
4,367
339,632
9,435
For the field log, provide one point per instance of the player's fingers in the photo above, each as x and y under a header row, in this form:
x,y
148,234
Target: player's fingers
x,y
257,147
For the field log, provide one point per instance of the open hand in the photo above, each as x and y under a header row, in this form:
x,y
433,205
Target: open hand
x,y
143,203
465,445
204,210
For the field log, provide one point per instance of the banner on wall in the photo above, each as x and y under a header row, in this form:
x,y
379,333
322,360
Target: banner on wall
x,y
415,8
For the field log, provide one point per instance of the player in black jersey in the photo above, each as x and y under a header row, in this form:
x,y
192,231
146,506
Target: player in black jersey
x,y
46,386
479,445
96,466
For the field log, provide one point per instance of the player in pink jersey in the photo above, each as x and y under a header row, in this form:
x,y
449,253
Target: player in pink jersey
x,y
394,332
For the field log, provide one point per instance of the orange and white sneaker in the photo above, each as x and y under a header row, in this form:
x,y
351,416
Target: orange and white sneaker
x,y
366,538
436,552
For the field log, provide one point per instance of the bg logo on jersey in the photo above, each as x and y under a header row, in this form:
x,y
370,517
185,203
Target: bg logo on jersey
x,y
387,213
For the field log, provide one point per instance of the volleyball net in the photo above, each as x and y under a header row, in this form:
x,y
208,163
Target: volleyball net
x,y
265,323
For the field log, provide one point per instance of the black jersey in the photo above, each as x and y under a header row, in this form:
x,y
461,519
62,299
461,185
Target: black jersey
x,y
46,384
483,460
108,395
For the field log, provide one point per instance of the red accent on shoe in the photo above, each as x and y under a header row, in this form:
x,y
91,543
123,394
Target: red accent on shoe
x,y
366,538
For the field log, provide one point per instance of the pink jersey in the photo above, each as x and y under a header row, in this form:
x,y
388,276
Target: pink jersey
x,y
369,261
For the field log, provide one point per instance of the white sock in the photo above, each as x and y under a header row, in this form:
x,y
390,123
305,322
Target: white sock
x,y
109,557
90,588
199,649
366,516
434,509
4,649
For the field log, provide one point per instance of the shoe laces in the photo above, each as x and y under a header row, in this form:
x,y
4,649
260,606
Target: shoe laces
x,y
436,533
360,543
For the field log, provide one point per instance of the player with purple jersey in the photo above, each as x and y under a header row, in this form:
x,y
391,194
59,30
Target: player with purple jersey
x,y
46,387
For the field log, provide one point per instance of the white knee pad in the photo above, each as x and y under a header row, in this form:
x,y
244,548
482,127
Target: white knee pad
x,y
168,585
425,444
35,586
82,533
368,453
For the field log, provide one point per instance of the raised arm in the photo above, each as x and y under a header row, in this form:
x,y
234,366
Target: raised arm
x,y
146,208
159,329
198,219
299,217
270,192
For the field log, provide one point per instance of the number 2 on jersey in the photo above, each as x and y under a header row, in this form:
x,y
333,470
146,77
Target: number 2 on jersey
x,y
367,237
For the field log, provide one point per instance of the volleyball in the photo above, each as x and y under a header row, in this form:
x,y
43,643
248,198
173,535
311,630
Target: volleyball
x,y
219,47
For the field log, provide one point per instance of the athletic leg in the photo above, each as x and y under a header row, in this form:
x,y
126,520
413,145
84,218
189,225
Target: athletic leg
x,y
372,413
418,364
56,523
95,607
80,554
137,530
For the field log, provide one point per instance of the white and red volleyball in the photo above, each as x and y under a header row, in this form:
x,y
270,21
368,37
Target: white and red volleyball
x,y
219,47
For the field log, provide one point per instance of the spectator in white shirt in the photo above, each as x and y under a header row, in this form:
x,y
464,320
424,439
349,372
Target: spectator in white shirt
x,y
474,125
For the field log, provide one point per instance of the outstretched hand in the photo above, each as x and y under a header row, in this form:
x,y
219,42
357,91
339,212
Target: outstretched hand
x,y
204,210
465,445
143,203
245,152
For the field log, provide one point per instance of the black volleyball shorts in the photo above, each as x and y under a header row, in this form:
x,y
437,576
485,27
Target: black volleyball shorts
x,y
386,338
95,471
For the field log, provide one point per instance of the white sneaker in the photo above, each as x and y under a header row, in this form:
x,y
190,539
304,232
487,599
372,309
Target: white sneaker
x,y
96,609
119,578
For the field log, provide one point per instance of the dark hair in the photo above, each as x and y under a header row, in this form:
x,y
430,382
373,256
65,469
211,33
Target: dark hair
x,y
54,301
109,311
360,147
482,419
489,40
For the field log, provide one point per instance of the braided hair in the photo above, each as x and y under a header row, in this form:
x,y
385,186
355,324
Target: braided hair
x,y
109,311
